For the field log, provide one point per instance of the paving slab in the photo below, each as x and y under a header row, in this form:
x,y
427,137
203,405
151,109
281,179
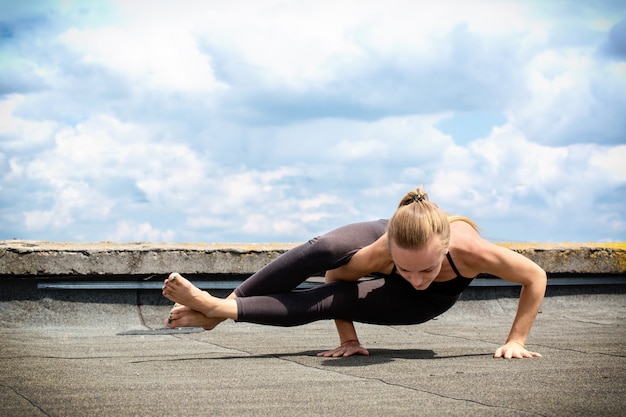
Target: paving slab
x,y
69,354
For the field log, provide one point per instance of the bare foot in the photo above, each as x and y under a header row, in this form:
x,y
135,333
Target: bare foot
x,y
183,316
180,290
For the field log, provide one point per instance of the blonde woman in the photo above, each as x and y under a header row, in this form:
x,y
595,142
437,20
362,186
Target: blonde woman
x,y
417,265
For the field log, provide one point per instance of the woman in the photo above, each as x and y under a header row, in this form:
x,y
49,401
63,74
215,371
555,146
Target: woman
x,y
421,260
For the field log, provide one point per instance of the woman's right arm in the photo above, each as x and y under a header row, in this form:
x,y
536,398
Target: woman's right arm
x,y
372,258
349,344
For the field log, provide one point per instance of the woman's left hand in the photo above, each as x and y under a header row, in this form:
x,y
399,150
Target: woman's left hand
x,y
514,350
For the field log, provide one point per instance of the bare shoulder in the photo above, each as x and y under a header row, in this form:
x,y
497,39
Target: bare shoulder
x,y
477,255
467,248
470,251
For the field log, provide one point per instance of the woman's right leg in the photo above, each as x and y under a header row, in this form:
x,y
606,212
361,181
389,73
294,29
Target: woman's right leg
x,y
325,252
285,273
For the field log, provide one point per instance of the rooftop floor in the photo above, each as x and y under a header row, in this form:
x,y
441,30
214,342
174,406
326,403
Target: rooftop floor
x,y
74,353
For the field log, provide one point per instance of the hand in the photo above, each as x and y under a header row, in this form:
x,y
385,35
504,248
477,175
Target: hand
x,y
514,350
345,350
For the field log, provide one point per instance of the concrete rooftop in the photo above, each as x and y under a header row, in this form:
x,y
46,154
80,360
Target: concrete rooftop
x,y
107,353
76,353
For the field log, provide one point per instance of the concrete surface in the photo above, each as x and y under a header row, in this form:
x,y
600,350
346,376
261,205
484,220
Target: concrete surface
x,y
77,353
107,353
42,259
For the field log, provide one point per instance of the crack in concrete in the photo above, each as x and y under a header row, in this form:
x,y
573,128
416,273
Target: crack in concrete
x,y
381,380
469,339
466,400
578,320
612,355
70,358
534,344
142,319
424,391
19,394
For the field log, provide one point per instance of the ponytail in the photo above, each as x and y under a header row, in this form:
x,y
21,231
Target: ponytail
x,y
417,220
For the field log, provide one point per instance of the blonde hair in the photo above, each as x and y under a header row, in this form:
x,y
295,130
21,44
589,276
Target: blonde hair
x,y
417,220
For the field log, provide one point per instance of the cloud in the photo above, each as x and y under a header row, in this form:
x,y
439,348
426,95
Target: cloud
x,y
614,46
549,191
210,121
160,59
142,232
573,99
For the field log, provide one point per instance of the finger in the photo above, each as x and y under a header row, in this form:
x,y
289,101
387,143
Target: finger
x,y
325,353
338,353
329,352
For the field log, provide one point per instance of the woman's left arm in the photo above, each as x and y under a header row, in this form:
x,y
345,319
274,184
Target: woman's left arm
x,y
511,266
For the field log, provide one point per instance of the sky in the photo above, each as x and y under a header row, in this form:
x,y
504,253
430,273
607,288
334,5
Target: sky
x,y
276,121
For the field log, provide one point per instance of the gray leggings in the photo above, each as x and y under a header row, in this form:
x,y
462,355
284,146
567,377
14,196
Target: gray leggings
x,y
269,296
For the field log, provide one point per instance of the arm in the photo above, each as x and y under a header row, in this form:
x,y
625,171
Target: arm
x,y
369,259
512,266
350,344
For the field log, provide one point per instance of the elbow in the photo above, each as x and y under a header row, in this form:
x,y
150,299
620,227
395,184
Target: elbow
x,y
540,280
542,276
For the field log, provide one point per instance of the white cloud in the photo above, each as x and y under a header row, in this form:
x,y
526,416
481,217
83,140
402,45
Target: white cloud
x,y
274,120
514,179
142,232
610,164
154,55
19,135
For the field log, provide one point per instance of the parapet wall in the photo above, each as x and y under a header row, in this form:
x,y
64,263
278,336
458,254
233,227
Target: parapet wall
x,y
39,259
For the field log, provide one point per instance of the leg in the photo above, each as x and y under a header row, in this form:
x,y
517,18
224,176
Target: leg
x,y
182,292
389,300
183,316
318,255
285,273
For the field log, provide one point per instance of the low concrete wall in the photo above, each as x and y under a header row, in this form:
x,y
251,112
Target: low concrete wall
x,y
49,259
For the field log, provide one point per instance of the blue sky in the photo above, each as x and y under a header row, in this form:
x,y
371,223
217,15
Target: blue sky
x,y
274,121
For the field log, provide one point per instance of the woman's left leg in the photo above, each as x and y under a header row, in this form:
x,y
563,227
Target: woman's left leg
x,y
388,300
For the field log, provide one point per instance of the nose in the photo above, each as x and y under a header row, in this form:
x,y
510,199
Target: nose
x,y
415,279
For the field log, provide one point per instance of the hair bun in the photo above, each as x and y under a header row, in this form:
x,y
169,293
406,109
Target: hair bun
x,y
416,196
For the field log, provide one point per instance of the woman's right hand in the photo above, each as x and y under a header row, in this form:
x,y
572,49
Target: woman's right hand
x,y
345,350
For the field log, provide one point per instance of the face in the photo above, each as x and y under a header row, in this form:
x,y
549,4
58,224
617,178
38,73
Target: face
x,y
419,266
